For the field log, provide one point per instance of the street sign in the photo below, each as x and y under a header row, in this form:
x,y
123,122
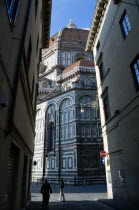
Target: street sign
x,y
103,154
103,160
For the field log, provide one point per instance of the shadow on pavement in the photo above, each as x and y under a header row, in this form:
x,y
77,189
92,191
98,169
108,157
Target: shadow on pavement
x,y
119,204
104,204
70,205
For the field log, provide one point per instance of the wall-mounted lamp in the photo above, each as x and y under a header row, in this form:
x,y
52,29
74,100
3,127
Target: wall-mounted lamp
x,y
35,163
82,110
93,105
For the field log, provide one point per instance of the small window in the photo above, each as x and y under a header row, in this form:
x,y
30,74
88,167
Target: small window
x,y
98,45
70,162
135,71
125,24
101,70
44,85
12,7
53,39
63,163
106,105
101,66
29,53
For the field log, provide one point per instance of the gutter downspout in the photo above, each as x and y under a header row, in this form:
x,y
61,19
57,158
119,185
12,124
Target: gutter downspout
x,y
18,70
59,152
44,153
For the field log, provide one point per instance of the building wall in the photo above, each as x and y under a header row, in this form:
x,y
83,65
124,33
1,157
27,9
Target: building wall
x,y
64,112
19,66
120,130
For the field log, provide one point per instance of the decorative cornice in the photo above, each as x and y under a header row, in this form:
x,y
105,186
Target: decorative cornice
x,y
76,71
52,69
48,52
96,23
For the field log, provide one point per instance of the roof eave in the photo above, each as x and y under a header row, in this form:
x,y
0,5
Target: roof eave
x,y
96,23
46,19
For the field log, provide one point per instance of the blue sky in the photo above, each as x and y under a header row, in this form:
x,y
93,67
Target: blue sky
x,y
81,11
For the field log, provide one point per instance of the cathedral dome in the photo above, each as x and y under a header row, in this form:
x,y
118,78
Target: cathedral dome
x,y
74,35
70,34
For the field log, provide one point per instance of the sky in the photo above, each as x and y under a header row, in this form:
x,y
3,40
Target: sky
x,y
80,11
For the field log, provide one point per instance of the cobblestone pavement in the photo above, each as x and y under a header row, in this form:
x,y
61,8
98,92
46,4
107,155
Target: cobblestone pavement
x,y
77,197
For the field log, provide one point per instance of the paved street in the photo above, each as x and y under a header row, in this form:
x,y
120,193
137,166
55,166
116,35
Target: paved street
x,y
77,197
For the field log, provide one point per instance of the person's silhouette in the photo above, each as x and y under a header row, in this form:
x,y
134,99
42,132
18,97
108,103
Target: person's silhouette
x,y
46,190
62,191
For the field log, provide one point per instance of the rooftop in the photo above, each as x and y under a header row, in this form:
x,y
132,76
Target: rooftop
x,y
71,34
81,62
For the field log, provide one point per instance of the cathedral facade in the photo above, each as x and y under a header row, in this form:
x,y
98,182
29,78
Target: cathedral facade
x,y
68,135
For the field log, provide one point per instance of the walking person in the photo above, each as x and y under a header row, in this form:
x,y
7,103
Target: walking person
x,y
46,190
62,191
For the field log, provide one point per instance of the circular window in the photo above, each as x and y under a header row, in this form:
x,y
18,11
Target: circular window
x,y
44,85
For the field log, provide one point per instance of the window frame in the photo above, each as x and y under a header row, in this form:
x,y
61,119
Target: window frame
x,y
136,83
122,20
98,46
64,163
101,70
70,159
107,112
12,10
100,63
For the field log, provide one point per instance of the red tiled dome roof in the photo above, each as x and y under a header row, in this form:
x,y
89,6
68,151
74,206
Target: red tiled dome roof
x,y
81,62
74,35
70,35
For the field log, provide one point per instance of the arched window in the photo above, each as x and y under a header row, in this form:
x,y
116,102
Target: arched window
x,y
50,115
66,116
50,119
44,85
79,57
86,110
91,82
41,161
67,86
51,137
87,114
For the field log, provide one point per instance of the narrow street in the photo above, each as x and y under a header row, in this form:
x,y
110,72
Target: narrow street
x,y
77,197
69,104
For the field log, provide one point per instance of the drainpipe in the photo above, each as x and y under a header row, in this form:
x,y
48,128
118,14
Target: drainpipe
x,y
18,70
45,149
59,162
